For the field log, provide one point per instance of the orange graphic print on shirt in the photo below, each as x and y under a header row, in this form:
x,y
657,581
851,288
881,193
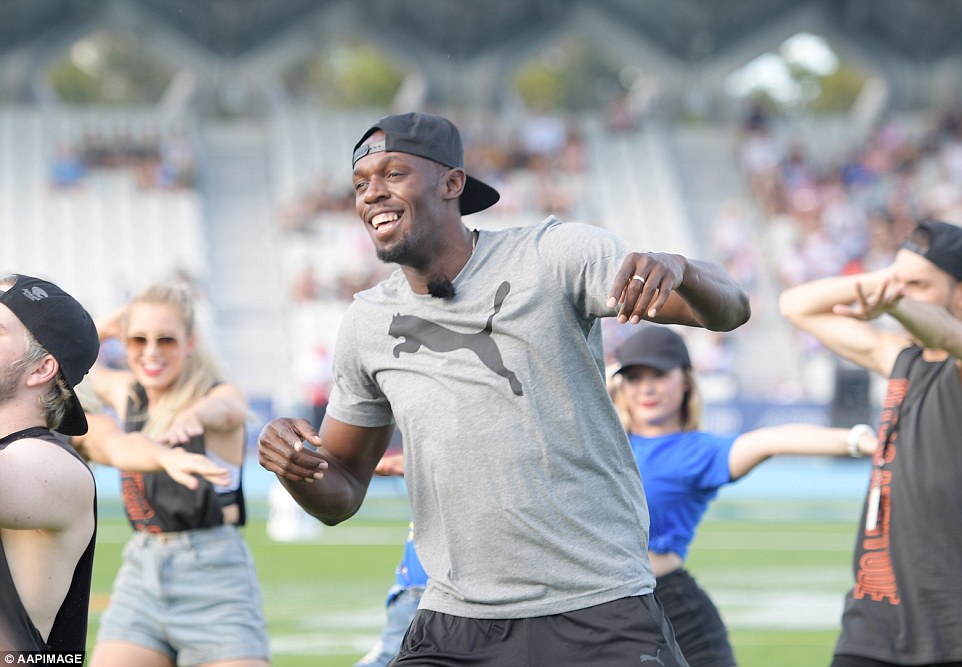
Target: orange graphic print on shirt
x,y
135,501
874,576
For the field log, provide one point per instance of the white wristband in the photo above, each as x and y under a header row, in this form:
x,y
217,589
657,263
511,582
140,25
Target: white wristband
x,y
854,434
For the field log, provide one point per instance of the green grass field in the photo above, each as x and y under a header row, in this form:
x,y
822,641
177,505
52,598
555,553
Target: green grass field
x,y
777,571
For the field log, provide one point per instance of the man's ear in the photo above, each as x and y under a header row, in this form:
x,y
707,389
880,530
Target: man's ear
x,y
43,371
454,180
956,305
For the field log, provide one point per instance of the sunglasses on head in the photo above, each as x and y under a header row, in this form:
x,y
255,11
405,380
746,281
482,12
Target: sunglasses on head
x,y
163,343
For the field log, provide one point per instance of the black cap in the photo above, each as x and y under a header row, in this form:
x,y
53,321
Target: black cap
x,y
654,346
65,329
434,138
940,243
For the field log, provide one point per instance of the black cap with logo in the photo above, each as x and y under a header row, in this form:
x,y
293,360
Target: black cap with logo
x,y
64,328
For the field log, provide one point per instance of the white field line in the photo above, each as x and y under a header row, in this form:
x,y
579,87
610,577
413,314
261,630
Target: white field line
x,y
780,609
116,533
772,541
355,632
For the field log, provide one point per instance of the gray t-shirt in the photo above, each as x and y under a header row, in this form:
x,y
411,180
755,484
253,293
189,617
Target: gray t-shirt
x,y
525,494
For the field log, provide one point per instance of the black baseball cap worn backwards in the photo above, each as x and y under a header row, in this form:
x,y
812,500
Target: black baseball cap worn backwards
x,y
434,138
65,329
940,243
654,346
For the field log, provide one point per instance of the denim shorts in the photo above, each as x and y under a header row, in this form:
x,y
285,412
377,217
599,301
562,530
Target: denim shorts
x,y
192,596
400,610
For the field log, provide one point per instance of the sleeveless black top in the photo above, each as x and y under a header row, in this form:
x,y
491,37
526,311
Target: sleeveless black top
x,y
906,606
69,631
155,503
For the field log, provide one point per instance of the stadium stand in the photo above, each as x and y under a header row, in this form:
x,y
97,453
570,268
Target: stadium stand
x,y
239,188
106,231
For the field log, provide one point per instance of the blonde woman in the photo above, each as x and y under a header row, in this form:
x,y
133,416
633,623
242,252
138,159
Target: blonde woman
x,y
682,468
187,592
106,443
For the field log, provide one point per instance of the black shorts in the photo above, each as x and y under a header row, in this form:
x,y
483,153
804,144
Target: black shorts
x,y
630,632
844,660
698,626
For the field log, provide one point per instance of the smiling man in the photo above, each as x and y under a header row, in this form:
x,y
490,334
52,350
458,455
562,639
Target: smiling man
x,y
485,350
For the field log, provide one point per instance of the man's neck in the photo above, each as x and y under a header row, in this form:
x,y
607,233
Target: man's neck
x,y
453,256
933,355
15,420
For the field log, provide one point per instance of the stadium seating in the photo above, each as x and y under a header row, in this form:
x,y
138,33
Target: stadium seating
x,y
105,232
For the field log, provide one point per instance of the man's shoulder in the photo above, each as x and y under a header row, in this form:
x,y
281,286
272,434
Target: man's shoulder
x,y
550,233
40,453
533,229
44,485
570,231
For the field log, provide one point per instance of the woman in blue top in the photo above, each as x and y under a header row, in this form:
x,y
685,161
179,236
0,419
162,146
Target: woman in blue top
x,y
682,468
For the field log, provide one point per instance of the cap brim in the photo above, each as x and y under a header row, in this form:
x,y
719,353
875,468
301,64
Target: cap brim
x,y
477,196
75,420
657,364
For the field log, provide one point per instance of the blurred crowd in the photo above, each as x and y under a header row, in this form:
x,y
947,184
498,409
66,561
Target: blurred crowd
x,y
156,160
846,214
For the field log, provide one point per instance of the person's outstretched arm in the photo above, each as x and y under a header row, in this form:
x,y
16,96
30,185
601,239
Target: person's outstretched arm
x,y
676,290
752,448
106,443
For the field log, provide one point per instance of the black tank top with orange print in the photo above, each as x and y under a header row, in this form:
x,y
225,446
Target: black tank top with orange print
x,y
155,503
906,605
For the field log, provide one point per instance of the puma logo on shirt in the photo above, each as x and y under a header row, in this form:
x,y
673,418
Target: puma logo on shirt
x,y
418,333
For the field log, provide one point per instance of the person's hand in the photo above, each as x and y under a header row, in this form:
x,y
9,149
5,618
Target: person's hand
x,y
870,306
390,465
182,465
867,443
644,283
110,325
281,450
185,426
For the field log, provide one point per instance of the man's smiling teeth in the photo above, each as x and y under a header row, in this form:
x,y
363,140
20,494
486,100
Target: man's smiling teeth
x,y
382,218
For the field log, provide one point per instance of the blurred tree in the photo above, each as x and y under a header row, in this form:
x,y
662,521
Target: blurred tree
x,y
73,84
109,69
838,90
540,86
804,76
346,75
571,74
